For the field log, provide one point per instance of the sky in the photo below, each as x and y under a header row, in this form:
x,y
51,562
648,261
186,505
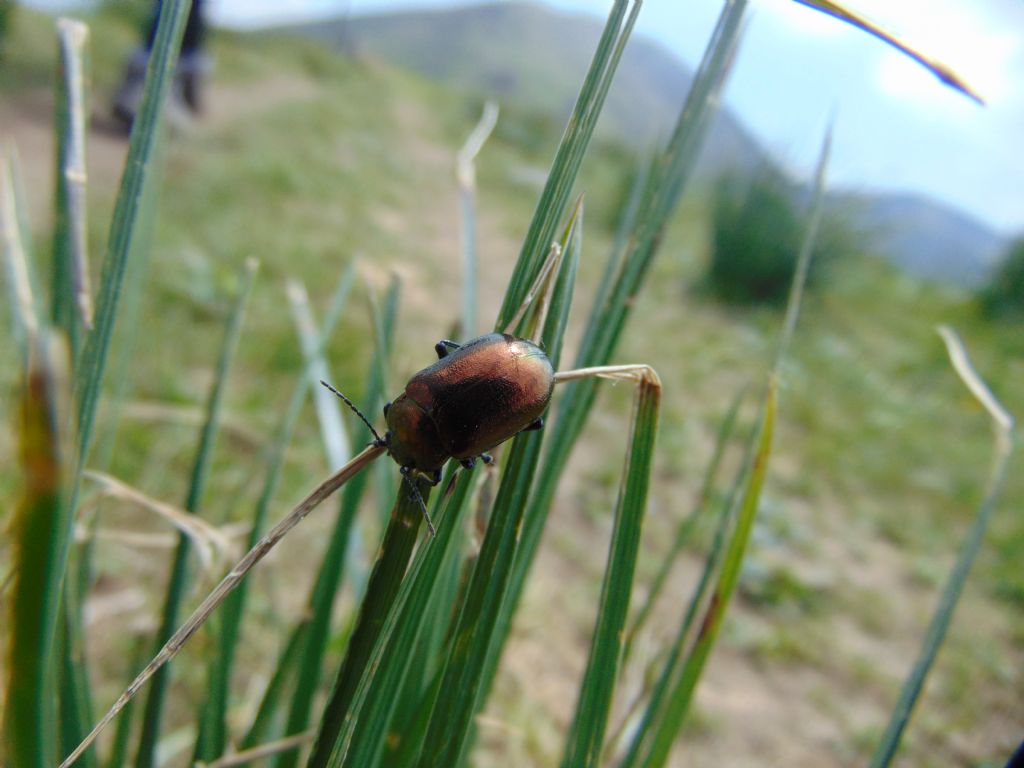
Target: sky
x,y
896,127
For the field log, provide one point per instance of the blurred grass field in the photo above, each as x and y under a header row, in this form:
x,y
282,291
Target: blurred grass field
x,y
307,160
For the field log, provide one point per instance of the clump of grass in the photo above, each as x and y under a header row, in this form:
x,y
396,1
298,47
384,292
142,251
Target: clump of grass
x,y
1003,296
757,224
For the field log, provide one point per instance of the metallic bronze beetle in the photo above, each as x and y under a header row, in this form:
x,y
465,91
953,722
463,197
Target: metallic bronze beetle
x,y
475,397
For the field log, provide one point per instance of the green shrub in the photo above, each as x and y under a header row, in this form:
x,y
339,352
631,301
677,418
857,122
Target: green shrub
x,y
1004,294
756,229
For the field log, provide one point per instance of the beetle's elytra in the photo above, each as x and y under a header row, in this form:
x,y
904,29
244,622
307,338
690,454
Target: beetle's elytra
x,y
476,396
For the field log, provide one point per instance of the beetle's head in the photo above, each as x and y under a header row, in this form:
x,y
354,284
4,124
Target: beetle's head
x,y
411,438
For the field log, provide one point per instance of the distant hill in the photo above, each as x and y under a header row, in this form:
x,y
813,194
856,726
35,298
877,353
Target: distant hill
x,y
925,237
535,57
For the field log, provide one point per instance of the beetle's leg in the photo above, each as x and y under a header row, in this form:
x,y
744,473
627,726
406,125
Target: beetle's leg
x,y
407,474
534,425
486,458
443,346
468,463
436,477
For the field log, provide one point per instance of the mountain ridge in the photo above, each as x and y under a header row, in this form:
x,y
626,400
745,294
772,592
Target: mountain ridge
x,y
927,238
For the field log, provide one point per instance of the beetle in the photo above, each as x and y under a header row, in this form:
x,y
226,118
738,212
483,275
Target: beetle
x,y
476,396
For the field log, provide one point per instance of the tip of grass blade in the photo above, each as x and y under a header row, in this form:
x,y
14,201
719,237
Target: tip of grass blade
x,y
945,75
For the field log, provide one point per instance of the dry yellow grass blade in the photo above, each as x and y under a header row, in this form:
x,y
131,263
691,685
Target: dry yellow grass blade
x,y
209,541
937,68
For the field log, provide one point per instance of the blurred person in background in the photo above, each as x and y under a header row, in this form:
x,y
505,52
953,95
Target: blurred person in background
x,y
193,66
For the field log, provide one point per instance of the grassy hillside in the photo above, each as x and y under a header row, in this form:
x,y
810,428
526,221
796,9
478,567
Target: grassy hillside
x,y
534,57
307,160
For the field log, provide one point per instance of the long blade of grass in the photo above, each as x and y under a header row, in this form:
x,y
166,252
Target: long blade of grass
x,y
1003,436
687,525
24,308
118,756
409,721
661,737
946,75
362,739
803,260
672,665
72,295
385,581
586,737
554,200
126,224
337,445
72,312
212,737
177,584
465,174
322,599
277,690
75,713
29,725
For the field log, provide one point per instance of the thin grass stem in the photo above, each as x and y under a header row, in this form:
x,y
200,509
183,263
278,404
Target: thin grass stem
x,y
1003,424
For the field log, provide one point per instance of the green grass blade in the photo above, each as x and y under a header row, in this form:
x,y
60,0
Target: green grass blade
x,y
561,304
803,261
213,725
328,580
943,616
671,171
72,312
75,714
465,173
71,294
337,445
554,200
664,734
672,665
151,722
29,726
409,721
362,741
639,188
25,314
126,226
119,748
687,526
277,689
385,581
586,737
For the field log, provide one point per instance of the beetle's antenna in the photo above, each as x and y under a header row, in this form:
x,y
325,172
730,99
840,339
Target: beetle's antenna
x,y
419,497
378,439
